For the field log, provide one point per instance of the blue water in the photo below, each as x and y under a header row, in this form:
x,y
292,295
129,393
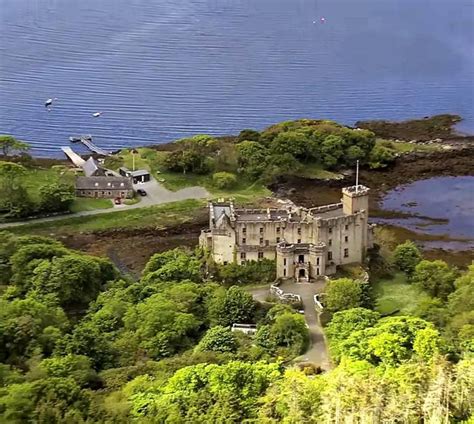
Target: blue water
x,y
164,69
447,198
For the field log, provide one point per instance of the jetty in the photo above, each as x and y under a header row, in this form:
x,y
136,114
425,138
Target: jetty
x,y
73,157
86,140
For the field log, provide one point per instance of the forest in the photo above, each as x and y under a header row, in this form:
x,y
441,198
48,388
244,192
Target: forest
x,y
81,343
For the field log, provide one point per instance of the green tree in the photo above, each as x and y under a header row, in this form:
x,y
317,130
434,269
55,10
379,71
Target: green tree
x,y
218,339
436,277
73,278
9,145
289,330
56,197
332,150
380,156
343,293
346,322
293,142
234,305
27,328
173,265
252,158
406,257
224,179
248,135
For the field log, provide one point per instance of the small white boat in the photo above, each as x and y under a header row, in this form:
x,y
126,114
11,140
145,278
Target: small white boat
x,y
97,114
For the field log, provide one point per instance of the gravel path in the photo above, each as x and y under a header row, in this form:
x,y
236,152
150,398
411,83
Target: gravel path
x,y
156,195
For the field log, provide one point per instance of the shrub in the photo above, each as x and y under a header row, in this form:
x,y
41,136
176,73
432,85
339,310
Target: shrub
x,y
224,179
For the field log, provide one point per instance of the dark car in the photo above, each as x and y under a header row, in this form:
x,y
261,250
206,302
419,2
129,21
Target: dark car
x,y
141,192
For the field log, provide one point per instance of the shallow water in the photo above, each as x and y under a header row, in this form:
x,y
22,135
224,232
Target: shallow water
x,y
442,206
161,70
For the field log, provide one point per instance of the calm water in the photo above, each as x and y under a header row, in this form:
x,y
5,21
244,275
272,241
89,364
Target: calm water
x,y
450,198
164,69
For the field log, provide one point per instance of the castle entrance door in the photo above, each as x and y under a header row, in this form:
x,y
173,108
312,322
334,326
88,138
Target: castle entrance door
x,y
302,273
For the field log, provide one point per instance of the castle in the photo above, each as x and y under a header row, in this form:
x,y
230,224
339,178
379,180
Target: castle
x,y
306,243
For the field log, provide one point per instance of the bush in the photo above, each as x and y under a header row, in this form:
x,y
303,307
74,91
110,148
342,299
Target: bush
x,y
406,257
343,293
218,339
224,179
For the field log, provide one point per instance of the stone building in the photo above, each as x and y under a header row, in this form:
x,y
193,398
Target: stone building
x,y
306,243
106,187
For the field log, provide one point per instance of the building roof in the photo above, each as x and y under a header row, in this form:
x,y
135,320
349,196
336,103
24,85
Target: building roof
x,y
139,172
91,166
103,183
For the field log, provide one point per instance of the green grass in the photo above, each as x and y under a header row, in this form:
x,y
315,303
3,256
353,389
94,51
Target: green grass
x,y
81,204
35,178
396,294
405,147
315,171
161,216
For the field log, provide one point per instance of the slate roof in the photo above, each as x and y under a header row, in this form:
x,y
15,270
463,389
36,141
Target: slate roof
x,y
103,183
91,167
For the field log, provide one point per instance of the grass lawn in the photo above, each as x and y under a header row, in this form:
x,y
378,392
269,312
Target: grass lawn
x,y
160,216
315,171
81,204
405,147
396,294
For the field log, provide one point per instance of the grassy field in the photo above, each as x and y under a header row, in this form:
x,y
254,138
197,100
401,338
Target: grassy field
x,y
396,294
315,171
161,216
405,147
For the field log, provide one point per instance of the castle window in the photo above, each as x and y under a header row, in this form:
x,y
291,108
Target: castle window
x,y
346,239
317,261
346,253
330,230
267,242
244,230
284,272
330,242
278,230
260,255
244,240
225,262
317,271
261,240
284,261
329,256
242,255
278,239
347,227
299,231
299,240
261,230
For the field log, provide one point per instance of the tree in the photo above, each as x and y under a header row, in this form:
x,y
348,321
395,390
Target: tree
x,y
343,293
380,156
172,265
14,196
248,135
56,197
10,144
289,330
332,149
234,305
218,339
436,277
293,142
252,158
406,257
224,179
73,278
346,322
28,327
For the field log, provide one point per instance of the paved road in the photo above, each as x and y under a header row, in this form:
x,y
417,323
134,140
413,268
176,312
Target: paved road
x,y
156,195
318,351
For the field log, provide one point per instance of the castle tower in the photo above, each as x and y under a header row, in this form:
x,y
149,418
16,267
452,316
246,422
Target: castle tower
x,y
355,199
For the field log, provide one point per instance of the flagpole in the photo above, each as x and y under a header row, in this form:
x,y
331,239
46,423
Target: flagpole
x,y
357,177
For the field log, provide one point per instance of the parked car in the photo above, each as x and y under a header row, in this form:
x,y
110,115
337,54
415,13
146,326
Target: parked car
x,y
141,192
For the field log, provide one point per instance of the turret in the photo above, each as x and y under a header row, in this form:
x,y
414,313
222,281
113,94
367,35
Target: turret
x,y
355,199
